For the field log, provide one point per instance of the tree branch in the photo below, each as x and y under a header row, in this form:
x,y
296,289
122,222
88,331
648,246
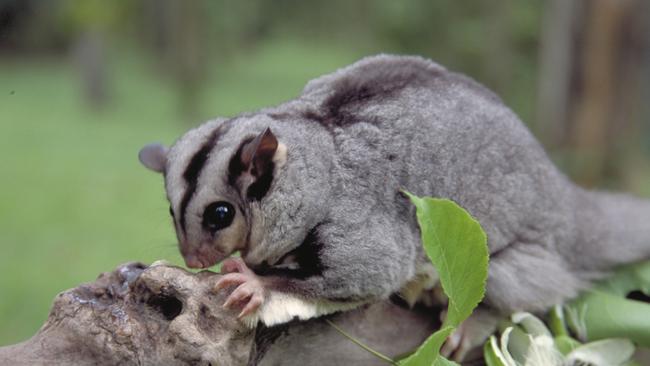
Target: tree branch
x,y
164,315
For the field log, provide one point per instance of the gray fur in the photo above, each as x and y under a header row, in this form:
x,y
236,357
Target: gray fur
x,y
357,136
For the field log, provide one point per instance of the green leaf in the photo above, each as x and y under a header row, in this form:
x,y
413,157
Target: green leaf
x,y
429,351
604,312
441,361
556,321
565,344
606,316
531,324
608,352
514,344
457,247
492,354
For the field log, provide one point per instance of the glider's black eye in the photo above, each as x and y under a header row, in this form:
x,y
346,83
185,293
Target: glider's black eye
x,y
218,215
171,211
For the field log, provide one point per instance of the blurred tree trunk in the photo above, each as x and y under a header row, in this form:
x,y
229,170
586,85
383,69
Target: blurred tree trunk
x,y
90,55
590,84
633,94
499,51
187,54
556,59
591,131
177,31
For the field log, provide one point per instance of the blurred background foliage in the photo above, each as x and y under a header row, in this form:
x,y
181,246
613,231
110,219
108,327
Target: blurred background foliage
x,y
85,83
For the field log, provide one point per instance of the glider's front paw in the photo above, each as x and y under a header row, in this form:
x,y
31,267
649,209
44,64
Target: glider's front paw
x,y
249,294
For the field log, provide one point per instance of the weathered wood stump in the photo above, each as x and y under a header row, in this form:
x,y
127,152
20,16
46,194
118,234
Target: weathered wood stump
x,y
164,315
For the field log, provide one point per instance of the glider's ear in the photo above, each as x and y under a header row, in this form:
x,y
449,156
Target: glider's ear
x,y
154,157
251,168
257,155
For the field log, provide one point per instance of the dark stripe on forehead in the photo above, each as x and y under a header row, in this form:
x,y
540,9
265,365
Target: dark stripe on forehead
x,y
191,173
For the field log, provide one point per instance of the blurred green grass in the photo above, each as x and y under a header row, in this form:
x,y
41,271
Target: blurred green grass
x,y
74,200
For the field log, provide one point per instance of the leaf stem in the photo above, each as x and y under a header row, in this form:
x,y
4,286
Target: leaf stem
x,y
358,343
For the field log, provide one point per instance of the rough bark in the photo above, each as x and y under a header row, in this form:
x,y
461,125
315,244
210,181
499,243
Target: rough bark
x,y
164,315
